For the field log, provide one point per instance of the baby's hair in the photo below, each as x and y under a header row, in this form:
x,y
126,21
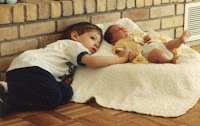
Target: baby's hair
x,y
81,28
108,35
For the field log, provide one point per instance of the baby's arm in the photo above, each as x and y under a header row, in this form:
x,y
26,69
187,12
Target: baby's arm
x,y
102,61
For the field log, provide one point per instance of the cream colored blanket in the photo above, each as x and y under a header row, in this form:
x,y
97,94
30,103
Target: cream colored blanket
x,y
167,90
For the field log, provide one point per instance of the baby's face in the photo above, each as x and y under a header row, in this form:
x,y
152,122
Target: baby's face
x,y
118,32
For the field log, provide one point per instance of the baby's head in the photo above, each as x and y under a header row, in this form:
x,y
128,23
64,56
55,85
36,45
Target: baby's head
x,y
116,32
89,35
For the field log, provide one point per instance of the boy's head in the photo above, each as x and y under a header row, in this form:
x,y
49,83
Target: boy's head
x,y
89,35
116,32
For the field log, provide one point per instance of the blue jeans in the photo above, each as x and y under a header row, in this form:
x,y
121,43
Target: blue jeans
x,y
36,88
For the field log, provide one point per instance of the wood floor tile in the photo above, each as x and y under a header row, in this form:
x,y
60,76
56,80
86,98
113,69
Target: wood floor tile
x,y
91,114
163,121
145,121
42,119
20,123
98,119
70,123
5,121
77,110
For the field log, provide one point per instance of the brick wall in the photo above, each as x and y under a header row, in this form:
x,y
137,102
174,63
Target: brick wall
x,y
25,26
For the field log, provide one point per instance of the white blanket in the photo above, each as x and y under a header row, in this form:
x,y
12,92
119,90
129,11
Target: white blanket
x,y
167,90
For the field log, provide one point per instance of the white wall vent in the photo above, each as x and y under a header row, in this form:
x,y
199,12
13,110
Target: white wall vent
x,y
192,20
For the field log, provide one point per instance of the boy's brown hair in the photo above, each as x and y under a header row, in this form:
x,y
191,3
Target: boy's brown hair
x,y
81,28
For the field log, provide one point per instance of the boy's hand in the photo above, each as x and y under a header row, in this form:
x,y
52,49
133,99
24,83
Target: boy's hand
x,y
147,38
68,79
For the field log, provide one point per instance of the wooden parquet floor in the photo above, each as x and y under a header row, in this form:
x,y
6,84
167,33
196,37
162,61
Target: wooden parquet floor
x,y
91,114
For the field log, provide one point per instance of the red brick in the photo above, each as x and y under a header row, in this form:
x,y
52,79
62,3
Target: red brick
x,y
8,33
149,24
44,10
172,21
18,46
18,13
78,6
55,9
31,11
104,18
139,3
45,40
5,14
5,63
90,6
67,8
37,28
136,14
101,5
121,4
111,5
162,11
130,3
63,24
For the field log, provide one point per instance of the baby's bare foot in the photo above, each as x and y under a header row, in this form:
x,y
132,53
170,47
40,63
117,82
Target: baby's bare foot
x,y
184,37
174,60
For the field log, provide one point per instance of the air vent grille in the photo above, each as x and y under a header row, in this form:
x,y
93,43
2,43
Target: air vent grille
x,y
192,20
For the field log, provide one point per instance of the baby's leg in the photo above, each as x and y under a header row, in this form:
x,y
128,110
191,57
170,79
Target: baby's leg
x,y
171,45
158,56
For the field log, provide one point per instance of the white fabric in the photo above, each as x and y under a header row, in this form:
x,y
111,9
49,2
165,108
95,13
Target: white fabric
x,y
132,27
148,47
167,90
57,58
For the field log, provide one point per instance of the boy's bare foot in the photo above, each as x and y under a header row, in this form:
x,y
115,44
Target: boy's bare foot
x,y
131,56
184,37
174,60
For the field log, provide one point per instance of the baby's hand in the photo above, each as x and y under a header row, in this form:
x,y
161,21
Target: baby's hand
x,y
124,53
132,56
147,38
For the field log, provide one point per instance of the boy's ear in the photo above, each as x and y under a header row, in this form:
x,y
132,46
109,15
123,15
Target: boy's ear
x,y
74,35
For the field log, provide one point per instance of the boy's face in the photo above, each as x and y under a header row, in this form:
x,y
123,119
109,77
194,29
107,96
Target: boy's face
x,y
91,40
118,32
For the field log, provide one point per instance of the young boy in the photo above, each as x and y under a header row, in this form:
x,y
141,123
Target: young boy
x,y
154,49
34,77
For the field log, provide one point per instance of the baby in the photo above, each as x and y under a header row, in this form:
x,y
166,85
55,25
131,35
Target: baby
x,y
145,48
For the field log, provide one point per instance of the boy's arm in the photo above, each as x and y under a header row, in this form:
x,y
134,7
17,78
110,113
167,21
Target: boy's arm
x,y
102,61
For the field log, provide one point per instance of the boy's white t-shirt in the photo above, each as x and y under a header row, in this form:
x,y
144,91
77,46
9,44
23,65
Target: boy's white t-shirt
x,y
58,58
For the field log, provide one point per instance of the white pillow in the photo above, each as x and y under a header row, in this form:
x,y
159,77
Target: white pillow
x,y
127,23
